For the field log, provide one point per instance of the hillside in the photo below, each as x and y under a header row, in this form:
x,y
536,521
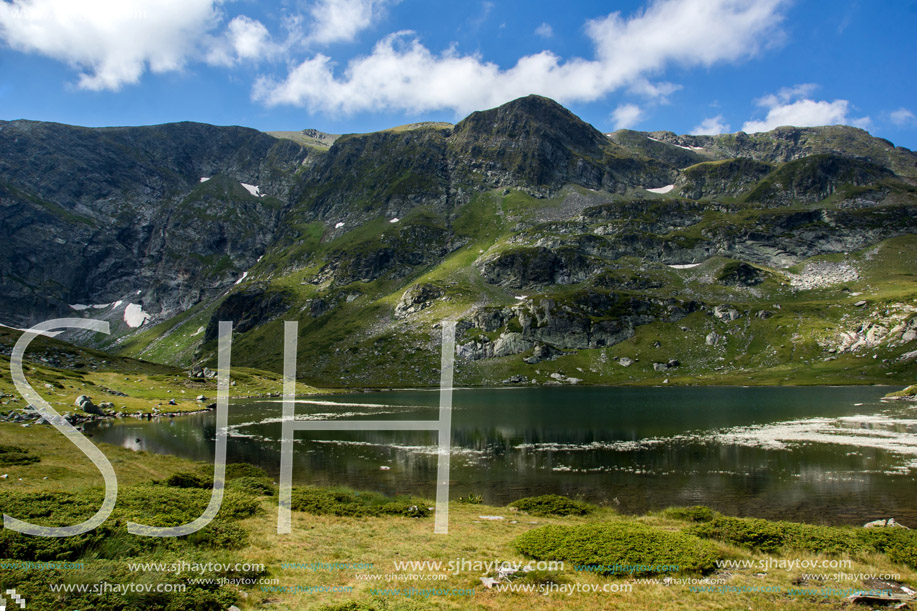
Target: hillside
x,y
566,255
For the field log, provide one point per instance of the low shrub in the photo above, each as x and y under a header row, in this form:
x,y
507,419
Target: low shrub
x,y
614,547
239,470
352,503
697,513
553,505
14,455
189,479
252,485
899,544
767,536
220,534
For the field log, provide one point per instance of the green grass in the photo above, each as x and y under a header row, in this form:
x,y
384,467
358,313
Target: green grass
x,y
348,526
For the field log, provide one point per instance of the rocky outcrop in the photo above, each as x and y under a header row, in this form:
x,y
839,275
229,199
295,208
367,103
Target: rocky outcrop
x,y
247,309
729,178
584,320
92,216
417,298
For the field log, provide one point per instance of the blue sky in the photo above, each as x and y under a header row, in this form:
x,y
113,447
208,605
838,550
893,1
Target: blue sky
x,y
689,66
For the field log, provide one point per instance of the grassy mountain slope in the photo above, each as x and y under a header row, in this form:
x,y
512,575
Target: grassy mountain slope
x,y
565,255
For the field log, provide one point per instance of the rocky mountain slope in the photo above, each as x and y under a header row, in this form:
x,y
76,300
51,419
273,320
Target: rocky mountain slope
x,y
566,255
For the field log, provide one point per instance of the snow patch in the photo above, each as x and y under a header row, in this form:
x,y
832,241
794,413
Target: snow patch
x,y
253,189
116,304
664,189
339,225
198,332
395,220
684,265
134,315
244,275
205,178
79,307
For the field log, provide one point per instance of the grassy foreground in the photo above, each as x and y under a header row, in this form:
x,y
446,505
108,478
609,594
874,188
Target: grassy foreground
x,y
342,552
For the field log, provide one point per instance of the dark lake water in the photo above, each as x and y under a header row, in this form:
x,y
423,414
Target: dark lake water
x,y
820,454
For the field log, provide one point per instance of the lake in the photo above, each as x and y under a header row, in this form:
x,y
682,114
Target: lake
x,y
818,454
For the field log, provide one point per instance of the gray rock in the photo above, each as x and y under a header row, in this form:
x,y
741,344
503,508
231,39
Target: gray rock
x,y
417,298
510,343
625,361
886,523
713,338
726,313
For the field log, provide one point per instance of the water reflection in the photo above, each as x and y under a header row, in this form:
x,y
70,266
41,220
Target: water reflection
x,y
817,454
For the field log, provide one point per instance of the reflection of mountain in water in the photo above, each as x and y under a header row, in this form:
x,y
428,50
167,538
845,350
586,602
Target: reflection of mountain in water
x,y
809,453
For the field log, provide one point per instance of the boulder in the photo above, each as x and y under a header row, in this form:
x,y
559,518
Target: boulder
x,y
886,523
417,298
726,313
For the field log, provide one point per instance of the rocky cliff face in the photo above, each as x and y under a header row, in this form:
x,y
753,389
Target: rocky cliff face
x,y
92,216
555,246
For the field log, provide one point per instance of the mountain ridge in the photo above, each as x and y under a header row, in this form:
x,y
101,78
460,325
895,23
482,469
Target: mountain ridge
x,y
551,243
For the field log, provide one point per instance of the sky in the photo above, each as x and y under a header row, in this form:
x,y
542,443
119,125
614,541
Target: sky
x,y
346,66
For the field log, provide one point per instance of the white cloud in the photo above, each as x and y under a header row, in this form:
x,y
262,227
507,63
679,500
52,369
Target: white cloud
x,y
245,39
626,116
711,126
903,117
544,30
400,73
792,106
342,20
111,42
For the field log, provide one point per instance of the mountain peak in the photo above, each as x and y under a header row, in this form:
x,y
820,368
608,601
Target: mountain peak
x,y
535,116
534,139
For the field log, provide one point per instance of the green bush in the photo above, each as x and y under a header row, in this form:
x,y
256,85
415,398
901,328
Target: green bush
x,y
553,505
188,479
220,534
767,536
698,513
345,502
14,455
33,586
239,470
646,550
752,533
899,544
252,485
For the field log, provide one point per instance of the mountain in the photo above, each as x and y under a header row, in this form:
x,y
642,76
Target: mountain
x,y
565,254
